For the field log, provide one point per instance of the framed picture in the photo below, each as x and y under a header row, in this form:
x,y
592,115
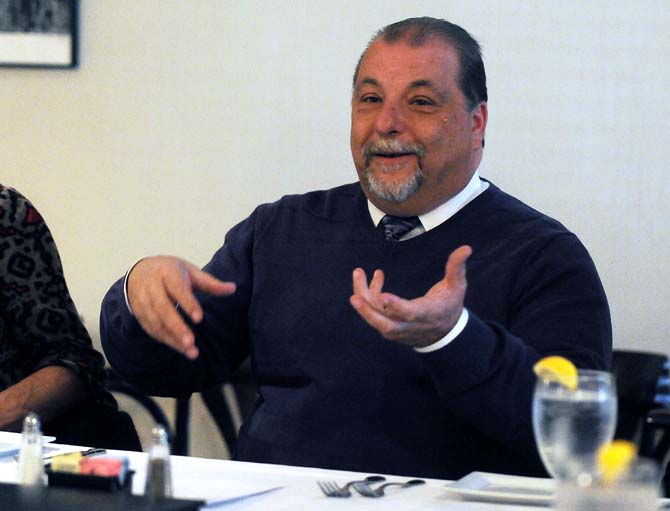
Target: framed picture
x,y
38,33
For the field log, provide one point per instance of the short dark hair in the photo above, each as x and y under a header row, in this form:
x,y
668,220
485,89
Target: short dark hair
x,y
417,31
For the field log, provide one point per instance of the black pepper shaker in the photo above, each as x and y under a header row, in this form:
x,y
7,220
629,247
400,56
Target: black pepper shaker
x,y
159,476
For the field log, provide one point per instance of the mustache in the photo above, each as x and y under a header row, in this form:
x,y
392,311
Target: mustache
x,y
392,147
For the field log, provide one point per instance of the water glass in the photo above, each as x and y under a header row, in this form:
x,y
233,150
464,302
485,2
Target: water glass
x,y
636,490
571,424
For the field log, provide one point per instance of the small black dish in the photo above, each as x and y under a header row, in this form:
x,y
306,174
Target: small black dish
x,y
57,478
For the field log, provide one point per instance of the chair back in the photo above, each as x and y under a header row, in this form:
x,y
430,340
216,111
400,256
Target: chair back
x,y
643,389
642,385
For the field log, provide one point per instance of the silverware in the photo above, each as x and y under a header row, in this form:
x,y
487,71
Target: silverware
x,y
367,491
332,489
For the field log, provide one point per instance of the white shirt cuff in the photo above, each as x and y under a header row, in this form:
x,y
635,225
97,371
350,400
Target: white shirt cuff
x,y
125,285
455,332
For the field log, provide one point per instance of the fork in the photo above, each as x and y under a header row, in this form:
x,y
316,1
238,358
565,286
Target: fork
x,y
332,489
367,491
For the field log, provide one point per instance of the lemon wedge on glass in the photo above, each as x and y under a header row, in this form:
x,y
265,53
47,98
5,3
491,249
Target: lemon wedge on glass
x,y
614,459
557,369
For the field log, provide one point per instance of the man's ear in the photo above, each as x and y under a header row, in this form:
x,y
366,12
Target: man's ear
x,y
480,115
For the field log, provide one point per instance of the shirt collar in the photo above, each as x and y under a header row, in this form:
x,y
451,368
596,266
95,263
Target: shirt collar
x,y
444,211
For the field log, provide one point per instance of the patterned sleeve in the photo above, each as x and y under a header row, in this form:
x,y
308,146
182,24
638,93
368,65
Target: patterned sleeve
x,y
39,323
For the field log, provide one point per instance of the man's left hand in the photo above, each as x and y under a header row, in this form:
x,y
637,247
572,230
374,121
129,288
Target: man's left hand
x,y
419,322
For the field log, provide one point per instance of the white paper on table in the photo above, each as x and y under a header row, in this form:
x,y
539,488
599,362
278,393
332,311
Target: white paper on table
x,y
217,494
10,443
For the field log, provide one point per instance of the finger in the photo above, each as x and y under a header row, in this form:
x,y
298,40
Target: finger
x,y
194,278
425,309
399,309
181,342
373,316
167,325
455,272
377,282
369,293
168,328
178,290
360,283
208,283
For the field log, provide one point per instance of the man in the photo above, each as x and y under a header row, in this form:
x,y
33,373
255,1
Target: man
x,y
423,371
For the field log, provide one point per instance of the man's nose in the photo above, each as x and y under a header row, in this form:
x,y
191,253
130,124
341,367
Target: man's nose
x,y
390,120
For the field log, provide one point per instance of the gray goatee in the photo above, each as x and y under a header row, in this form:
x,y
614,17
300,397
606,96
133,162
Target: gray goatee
x,y
393,191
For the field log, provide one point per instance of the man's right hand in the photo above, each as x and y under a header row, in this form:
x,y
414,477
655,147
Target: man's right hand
x,y
156,285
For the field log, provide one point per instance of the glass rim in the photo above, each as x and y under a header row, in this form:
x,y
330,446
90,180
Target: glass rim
x,y
583,377
594,373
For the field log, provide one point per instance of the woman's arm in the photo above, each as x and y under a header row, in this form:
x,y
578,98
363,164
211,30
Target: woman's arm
x,y
39,323
48,392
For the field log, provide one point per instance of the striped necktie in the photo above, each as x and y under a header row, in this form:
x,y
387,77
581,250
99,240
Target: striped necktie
x,y
396,227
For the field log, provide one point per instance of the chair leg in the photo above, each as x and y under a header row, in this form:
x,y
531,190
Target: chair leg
x,y
218,409
182,421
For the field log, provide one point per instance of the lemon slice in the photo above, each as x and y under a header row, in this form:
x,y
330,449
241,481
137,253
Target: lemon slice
x,y
557,369
614,459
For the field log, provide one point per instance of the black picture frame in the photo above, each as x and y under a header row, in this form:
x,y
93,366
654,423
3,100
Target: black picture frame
x,y
39,33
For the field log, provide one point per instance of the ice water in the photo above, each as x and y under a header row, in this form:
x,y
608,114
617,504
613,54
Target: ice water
x,y
570,426
635,490
621,497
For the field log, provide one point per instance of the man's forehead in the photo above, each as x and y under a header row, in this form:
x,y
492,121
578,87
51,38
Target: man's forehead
x,y
429,62
413,84
434,43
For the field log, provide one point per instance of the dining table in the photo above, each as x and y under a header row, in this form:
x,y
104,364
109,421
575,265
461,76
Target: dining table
x,y
238,485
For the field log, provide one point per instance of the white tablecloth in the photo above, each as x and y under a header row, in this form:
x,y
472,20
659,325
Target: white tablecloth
x,y
215,480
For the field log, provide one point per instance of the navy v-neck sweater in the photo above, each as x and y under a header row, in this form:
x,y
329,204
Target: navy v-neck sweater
x,y
334,393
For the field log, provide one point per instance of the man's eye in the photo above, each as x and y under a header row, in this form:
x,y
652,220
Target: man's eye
x,y
370,99
422,102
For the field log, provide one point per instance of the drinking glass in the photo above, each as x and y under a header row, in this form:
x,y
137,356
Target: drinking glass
x,y
636,490
570,425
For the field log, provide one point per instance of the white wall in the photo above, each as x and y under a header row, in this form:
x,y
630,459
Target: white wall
x,y
185,115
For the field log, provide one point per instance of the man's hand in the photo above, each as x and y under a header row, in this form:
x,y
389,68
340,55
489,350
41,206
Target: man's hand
x,y
419,322
156,285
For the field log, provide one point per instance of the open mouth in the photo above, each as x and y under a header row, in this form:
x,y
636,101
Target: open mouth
x,y
390,152
393,160
393,155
